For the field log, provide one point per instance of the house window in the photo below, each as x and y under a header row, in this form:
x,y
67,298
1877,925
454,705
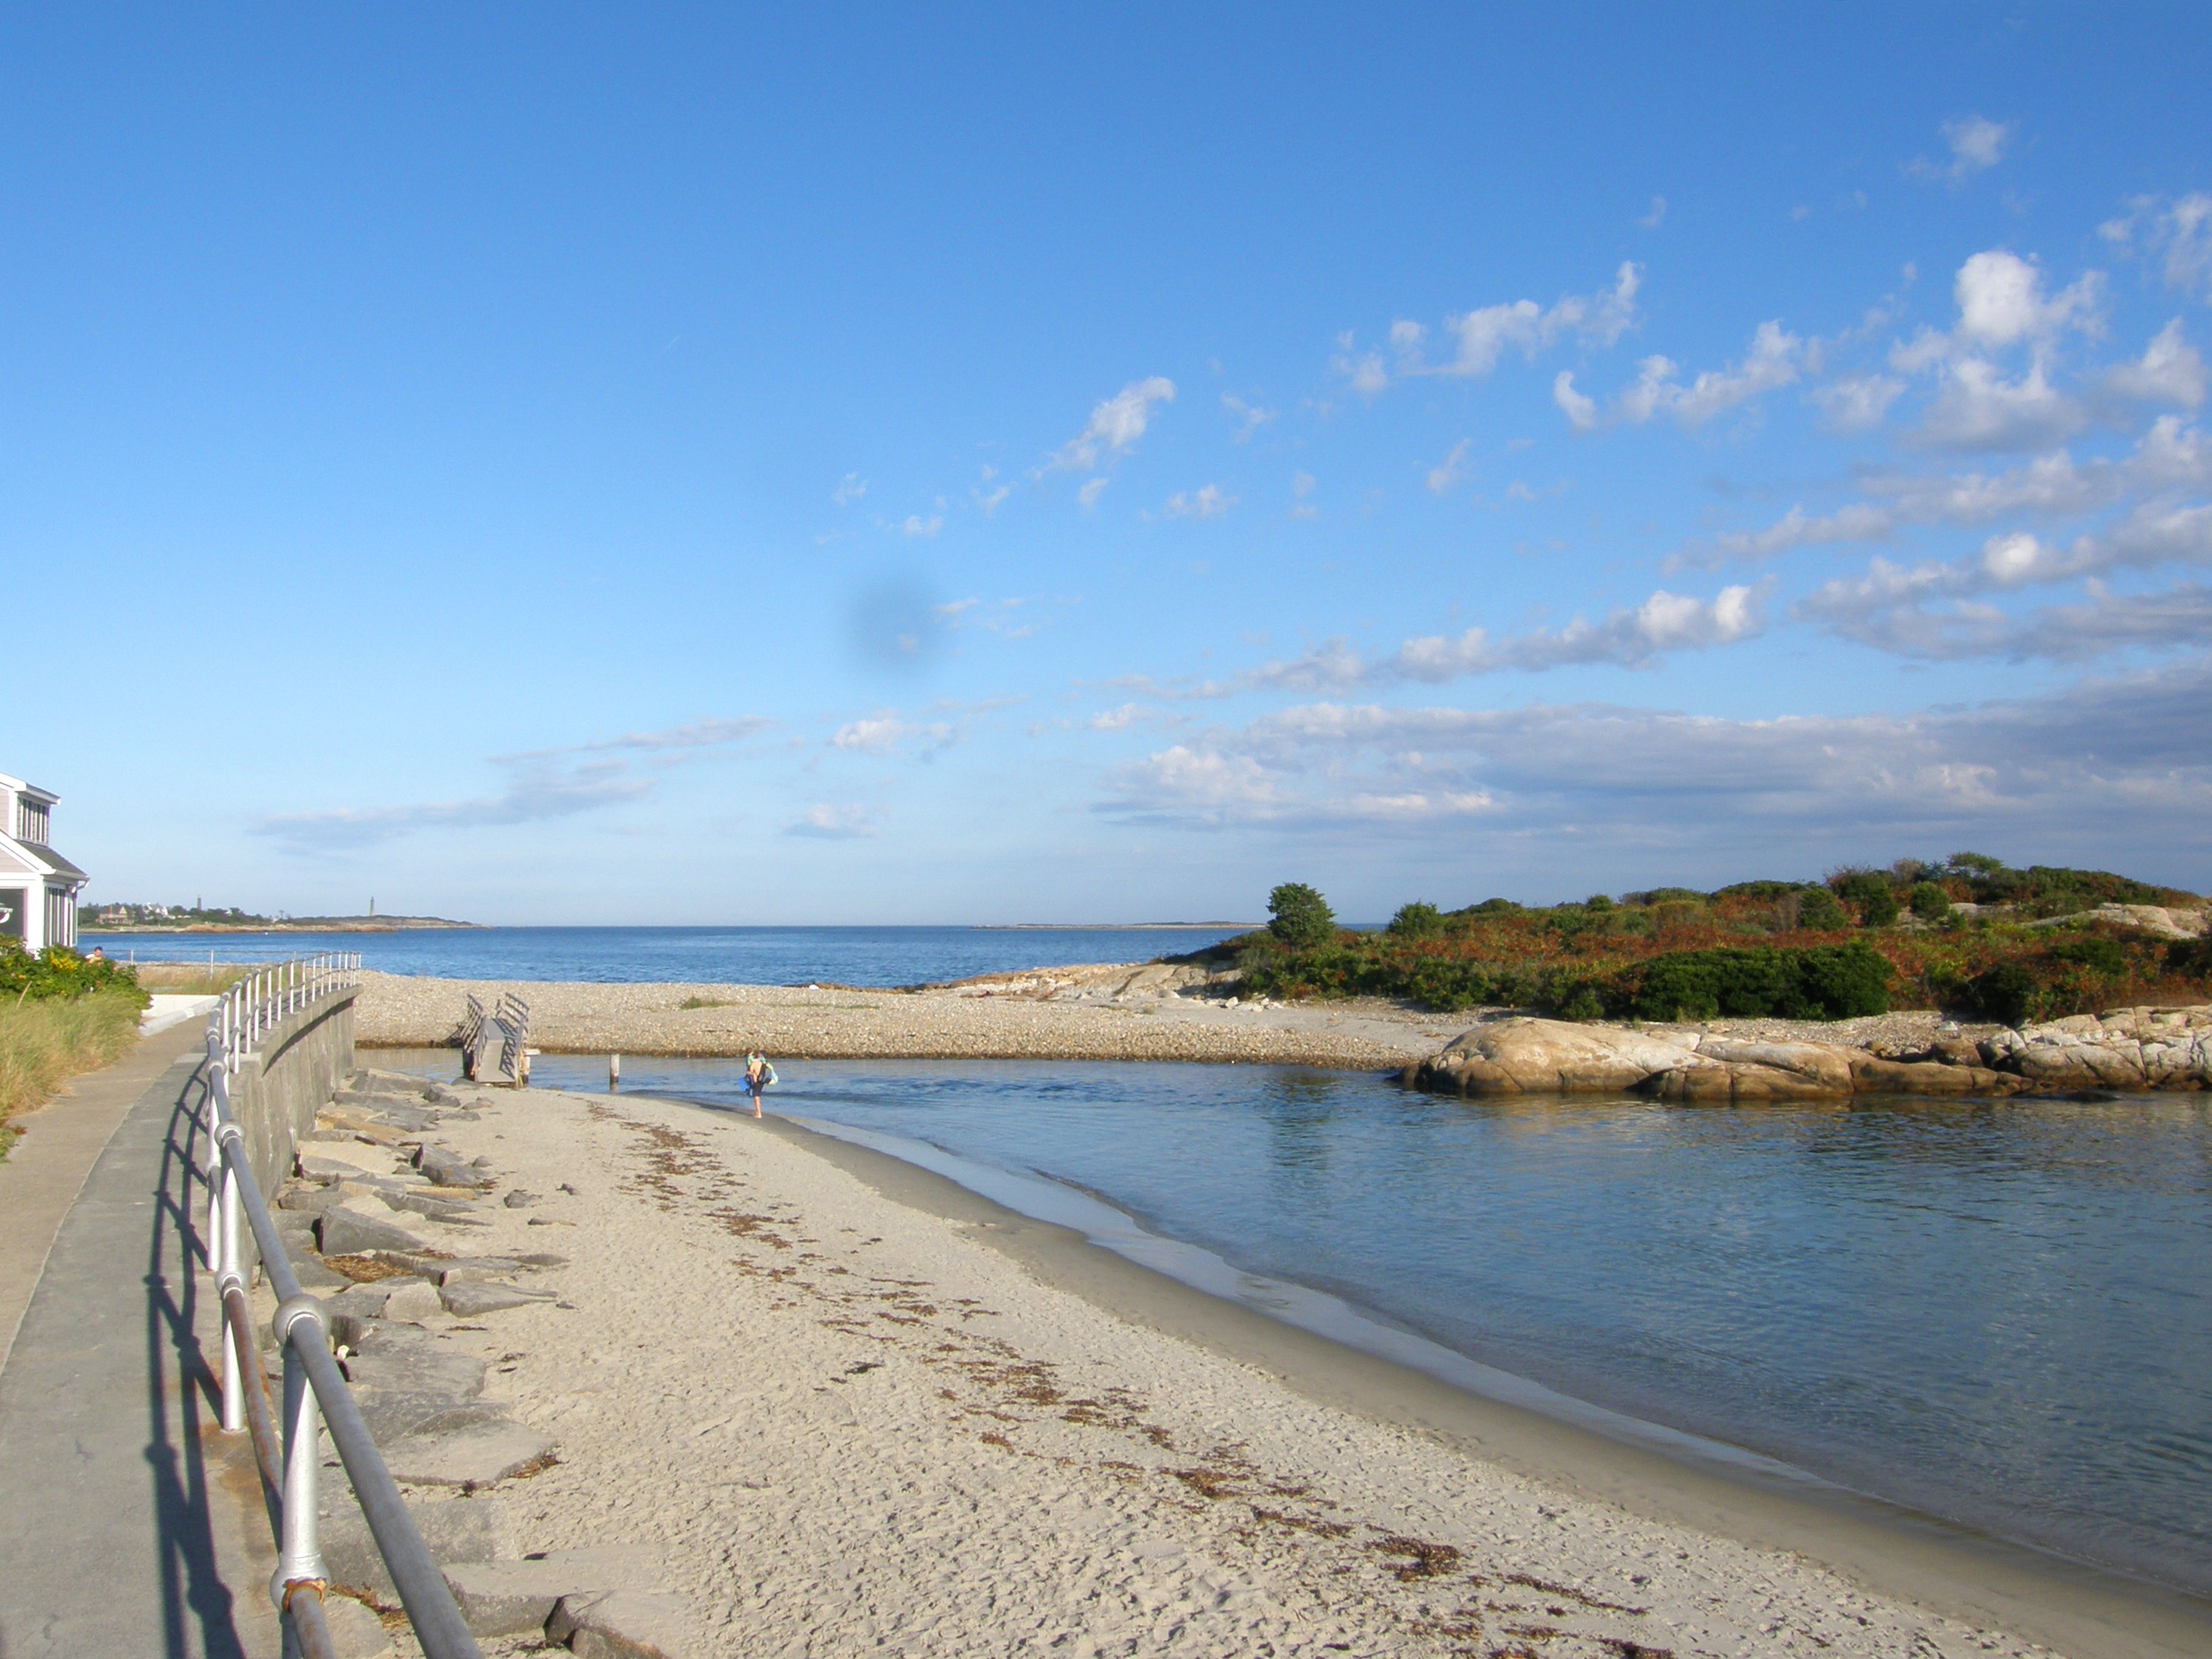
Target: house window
x,y
30,823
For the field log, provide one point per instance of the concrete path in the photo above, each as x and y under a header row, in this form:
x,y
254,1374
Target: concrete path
x,y
128,1525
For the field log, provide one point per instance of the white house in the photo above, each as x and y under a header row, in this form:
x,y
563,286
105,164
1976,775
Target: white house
x,y
38,886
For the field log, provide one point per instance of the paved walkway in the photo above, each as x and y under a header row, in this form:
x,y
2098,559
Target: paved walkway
x,y
127,1524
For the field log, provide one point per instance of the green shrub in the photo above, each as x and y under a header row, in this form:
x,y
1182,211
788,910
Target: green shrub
x,y
2191,958
61,976
2007,993
1299,917
1869,893
1820,911
1821,981
2094,951
1930,903
1598,903
1417,920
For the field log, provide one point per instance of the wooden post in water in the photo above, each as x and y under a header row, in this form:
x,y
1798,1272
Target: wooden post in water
x,y
614,1074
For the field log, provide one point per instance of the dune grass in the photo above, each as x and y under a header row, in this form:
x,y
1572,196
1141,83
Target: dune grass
x,y
45,1044
191,979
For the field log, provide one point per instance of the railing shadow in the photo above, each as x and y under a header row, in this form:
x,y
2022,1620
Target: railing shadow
x,y
194,1598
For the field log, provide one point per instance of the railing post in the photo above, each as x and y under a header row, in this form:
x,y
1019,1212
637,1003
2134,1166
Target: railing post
x,y
234,1373
300,1560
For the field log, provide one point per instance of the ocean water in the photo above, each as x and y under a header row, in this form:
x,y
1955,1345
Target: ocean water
x,y
873,957
1999,1314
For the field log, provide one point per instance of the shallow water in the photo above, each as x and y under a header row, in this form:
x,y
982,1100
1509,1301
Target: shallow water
x,y
1996,1313
870,957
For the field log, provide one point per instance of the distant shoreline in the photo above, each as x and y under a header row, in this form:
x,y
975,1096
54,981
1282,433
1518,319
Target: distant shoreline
x,y
1110,926
333,925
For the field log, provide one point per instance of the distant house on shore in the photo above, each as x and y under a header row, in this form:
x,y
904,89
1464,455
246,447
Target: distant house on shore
x,y
38,886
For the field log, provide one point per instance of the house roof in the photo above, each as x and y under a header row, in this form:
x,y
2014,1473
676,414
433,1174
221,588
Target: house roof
x,y
36,860
43,797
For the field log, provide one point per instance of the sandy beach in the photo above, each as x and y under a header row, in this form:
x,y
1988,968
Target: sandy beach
x,y
837,1407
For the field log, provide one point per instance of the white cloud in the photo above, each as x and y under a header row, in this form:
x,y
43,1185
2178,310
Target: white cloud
x,y
826,821
1303,485
2001,301
1658,217
1479,338
915,525
1978,407
1631,637
1634,636
886,734
1906,612
2169,372
849,489
1451,469
990,503
1937,609
1089,495
1857,403
2119,763
2181,233
2168,457
1581,411
1205,502
1115,424
1977,144
1775,360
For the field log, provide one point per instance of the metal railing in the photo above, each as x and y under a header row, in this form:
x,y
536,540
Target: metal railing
x,y
510,1018
315,1391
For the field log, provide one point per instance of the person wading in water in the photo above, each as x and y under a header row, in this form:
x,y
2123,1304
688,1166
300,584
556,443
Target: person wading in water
x,y
758,1075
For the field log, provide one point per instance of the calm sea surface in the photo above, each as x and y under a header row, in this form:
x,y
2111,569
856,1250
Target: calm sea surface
x,y
715,955
1998,1314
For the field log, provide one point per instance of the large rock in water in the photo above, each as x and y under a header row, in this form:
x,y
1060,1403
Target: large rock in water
x,y
2125,1048
1552,1057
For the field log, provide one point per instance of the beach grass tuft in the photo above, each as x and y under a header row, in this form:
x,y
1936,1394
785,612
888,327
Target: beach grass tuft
x,y
45,1044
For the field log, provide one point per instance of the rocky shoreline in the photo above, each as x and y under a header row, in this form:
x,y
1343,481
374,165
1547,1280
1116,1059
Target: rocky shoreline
x,y
2126,1049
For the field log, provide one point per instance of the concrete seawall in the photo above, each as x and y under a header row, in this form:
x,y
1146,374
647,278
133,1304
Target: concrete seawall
x,y
292,1073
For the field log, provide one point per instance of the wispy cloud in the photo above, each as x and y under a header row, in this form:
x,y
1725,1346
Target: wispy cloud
x,y
1450,470
1115,424
2177,233
849,489
1775,360
1476,339
826,821
2113,759
1977,144
1206,502
1249,417
1631,637
540,784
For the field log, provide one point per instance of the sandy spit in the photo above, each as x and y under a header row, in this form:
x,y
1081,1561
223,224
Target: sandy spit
x,y
843,1424
1085,1014
1126,1011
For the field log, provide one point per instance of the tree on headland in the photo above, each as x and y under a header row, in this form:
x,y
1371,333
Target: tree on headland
x,y
1869,893
1417,920
1299,917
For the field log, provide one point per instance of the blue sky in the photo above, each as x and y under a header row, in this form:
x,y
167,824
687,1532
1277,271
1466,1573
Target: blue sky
x,y
577,465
